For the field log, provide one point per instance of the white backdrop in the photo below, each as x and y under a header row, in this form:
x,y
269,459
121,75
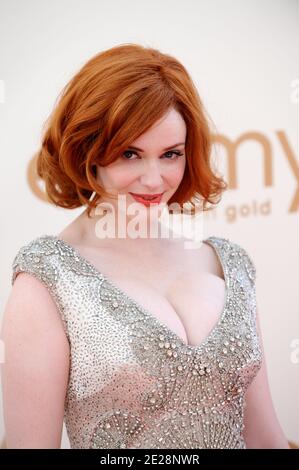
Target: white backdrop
x,y
243,57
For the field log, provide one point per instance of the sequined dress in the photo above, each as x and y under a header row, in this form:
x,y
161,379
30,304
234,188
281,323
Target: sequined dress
x,y
134,383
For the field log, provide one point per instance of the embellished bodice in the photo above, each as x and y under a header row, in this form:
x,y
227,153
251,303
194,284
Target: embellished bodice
x,y
133,383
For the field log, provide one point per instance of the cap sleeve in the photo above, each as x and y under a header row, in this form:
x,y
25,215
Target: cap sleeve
x,y
36,258
247,262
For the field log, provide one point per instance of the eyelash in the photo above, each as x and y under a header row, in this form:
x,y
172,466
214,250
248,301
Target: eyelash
x,y
177,154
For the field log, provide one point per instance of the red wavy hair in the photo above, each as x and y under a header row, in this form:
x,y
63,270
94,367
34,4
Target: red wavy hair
x,y
115,97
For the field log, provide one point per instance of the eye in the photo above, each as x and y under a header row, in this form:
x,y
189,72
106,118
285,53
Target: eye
x,y
126,152
174,153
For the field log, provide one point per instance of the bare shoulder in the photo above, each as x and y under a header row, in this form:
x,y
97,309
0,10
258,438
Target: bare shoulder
x,y
36,367
31,308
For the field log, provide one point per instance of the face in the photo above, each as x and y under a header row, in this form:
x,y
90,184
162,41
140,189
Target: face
x,y
157,167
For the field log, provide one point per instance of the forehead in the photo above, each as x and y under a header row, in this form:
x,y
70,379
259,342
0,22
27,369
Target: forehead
x,y
169,130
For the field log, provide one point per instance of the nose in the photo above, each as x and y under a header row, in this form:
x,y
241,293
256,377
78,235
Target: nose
x,y
151,176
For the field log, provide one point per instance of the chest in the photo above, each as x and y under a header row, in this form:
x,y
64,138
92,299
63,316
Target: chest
x,y
185,293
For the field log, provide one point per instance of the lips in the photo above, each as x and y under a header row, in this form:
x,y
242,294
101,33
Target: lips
x,y
148,199
147,196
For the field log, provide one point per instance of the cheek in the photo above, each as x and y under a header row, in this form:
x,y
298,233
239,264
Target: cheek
x,y
116,177
175,174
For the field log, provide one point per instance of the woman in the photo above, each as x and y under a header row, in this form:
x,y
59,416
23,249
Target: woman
x,y
136,342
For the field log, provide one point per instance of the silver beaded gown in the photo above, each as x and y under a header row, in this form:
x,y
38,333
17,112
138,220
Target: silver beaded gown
x,y
134,383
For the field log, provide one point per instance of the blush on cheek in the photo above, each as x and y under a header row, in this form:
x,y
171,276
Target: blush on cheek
x,y
176,175
119,178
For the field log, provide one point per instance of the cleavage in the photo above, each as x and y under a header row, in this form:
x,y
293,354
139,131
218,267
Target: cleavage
x,y
190,307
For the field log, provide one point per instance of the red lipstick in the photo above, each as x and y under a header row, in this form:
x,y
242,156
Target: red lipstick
x,y
148,199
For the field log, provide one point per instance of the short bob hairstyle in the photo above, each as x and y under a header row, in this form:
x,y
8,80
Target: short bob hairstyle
x,y
115,97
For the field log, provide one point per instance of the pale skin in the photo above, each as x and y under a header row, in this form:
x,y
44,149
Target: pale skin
x,y
34,388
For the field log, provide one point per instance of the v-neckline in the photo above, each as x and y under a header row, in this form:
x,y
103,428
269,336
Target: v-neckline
x,y
145,311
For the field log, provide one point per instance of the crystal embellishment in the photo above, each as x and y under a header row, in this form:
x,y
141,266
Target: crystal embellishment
x,y
133,383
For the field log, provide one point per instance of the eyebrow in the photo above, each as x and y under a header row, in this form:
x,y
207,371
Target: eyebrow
x,y
167,148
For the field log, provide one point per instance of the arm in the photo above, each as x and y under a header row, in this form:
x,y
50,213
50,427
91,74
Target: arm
x,y
262,429
36,367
